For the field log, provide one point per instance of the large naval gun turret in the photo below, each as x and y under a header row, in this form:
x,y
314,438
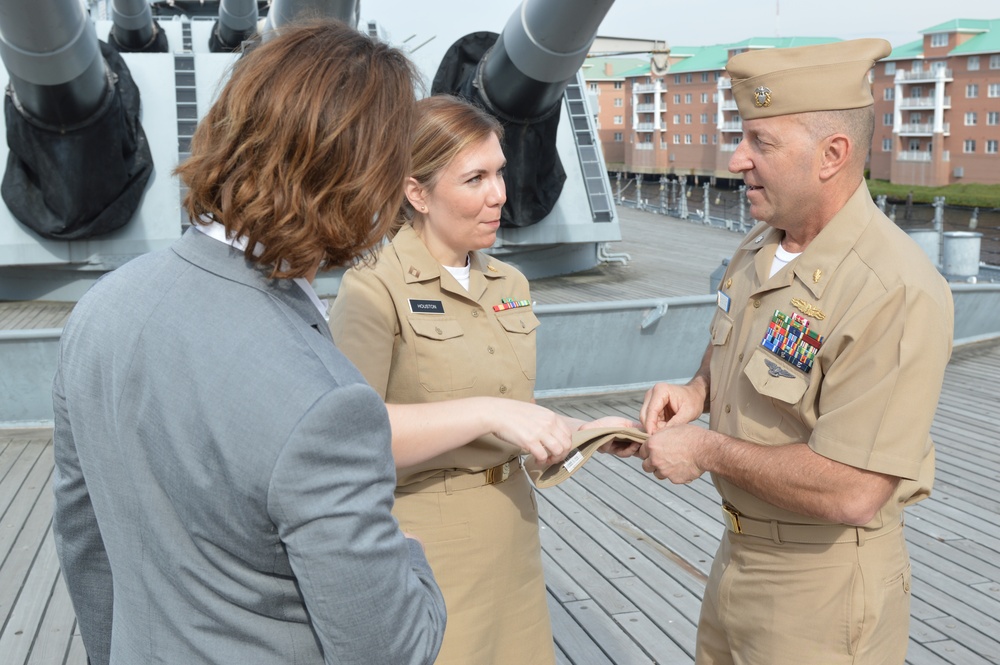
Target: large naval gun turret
x,y
108,103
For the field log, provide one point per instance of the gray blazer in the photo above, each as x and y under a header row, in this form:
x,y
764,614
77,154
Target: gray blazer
x,y
224,478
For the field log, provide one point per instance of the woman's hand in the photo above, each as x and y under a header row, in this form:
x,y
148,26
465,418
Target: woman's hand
x,y
543,434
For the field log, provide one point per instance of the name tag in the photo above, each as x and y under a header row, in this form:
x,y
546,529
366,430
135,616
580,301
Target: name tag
x,y
723,300
426,306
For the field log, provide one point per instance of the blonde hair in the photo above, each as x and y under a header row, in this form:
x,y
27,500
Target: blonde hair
x,y
307,147
445,126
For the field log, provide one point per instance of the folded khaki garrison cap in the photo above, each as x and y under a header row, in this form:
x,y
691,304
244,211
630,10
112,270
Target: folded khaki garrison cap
x,y
585,444
825,77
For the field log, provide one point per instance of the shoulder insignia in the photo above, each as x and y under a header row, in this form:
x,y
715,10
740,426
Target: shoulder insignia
x,y
774,369
807,309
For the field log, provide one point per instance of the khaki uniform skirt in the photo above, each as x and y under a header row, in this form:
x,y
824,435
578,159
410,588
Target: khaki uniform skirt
x,y
482,543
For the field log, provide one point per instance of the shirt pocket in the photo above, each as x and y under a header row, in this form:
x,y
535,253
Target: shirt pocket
x,y
442,354
777,387
520,325
722,327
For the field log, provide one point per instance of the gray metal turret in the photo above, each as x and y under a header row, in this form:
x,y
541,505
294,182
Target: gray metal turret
x,y
237,23
133,27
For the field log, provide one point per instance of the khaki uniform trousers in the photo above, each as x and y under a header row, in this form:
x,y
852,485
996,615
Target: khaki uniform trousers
x,y
806,604
482,544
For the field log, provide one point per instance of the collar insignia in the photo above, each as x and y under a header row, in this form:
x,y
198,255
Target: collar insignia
x,y
774,369
807,309
758,239
413,271
489,266
818,275
762,97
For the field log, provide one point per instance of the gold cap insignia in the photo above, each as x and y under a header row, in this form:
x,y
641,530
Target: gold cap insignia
x,y
729,283
818,275
809,310
489,266
762,97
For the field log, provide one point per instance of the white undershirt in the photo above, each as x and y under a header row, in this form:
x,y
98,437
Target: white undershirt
x,y
217,231
461,274
781,259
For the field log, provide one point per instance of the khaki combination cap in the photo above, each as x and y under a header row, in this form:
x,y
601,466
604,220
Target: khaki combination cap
x,y
825,77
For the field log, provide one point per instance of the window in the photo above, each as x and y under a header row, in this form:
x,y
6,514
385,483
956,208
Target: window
x,y
715,139
886,145
619,101
972,63
704,139
677,99
914,145
618,85
993,90
715,97
995,62
687,118
677,119
890,68
970,118
704,98
677,139
687,78
939,39
939,66
687,139
889,94
916,92
677,78
993,118
704,77
704,118
972,90
687,98
618,120
618,137
969,145
991,147
887,119
594,87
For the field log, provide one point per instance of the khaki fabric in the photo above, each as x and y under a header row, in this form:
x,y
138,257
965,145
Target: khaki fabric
x,y
886,317
467,350
418,336
823,77
806,604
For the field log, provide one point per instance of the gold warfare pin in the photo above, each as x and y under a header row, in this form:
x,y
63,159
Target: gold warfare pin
x,y
762,97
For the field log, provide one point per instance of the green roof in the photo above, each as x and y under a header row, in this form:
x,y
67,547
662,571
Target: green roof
x,y
714,58
959,25
907,51
987,41
594,68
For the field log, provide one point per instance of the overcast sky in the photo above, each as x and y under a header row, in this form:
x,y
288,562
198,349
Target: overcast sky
x,y
685,23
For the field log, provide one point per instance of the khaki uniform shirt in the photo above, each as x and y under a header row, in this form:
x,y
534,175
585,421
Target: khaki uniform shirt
x,y
418,336
881,318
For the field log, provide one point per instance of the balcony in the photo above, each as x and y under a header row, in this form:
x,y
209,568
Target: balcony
x,y
924,76
729,105
728,147
645,108
922,129
643,146
732,126
922,103
646,87
725,83
646,127
914,156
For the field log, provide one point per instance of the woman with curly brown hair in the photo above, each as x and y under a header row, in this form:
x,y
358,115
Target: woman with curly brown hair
x,y
203,509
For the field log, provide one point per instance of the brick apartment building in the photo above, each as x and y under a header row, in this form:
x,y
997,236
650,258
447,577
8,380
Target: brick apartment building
x,y
937,106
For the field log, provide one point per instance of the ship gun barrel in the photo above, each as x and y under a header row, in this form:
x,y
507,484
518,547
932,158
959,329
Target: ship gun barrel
x,y
520,77
237,23
542,47
79,160
51,52
283,12
133,28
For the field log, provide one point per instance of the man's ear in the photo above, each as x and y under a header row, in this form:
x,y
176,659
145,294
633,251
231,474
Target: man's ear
x,y
837,150
415,194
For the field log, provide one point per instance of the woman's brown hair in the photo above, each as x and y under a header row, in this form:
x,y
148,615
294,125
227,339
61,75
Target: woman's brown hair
x,y
306,149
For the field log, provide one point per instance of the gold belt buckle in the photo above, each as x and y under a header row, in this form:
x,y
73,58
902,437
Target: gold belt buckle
x,y
732,518
492,477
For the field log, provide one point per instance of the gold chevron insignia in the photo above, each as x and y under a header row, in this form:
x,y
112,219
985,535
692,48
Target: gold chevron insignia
x,y
807,309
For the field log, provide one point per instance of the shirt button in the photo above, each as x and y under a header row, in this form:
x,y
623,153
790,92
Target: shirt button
x,y
475,313
740,358
490,349
756,303
728,408
438,331
503,390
